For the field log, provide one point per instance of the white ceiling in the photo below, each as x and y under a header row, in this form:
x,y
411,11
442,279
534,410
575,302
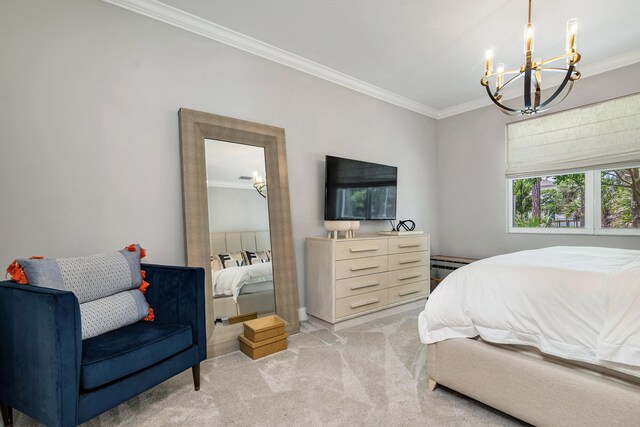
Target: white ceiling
x,y
227,161
428,51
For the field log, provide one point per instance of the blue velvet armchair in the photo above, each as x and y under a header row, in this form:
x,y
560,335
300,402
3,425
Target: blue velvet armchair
x,y
49,373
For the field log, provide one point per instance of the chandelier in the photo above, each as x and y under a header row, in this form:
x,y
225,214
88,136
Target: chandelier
x,y
496,82
260,184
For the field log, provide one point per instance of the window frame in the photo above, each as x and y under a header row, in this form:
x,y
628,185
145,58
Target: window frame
x,y
592,197
597,203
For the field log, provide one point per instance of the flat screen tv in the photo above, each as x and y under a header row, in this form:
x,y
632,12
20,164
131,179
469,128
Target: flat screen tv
x,y
356,190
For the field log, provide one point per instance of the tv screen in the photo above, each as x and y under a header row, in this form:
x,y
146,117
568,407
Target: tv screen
x,y
356,190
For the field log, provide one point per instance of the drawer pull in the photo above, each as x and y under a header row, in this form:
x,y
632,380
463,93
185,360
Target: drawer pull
x,y
363,303
364,267
409,245
405,293
410,261
365,285
413,276
356,250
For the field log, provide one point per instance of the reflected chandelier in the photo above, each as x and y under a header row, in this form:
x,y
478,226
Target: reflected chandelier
x,y
260,184
531,72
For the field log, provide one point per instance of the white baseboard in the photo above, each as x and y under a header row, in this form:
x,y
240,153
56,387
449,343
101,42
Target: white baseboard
x,y
365,318
302,314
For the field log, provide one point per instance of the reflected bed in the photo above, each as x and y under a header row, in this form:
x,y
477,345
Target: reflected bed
x,y
246,284
243,289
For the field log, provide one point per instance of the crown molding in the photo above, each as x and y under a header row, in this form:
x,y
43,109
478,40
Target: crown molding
x,y
229,184
194,24
589,70
474,104
611,63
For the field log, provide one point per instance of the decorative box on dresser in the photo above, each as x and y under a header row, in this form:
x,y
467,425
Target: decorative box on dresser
x,y
348,278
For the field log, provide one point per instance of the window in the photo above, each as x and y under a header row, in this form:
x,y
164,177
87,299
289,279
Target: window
x,y
620,199
590,202
549,201
576,171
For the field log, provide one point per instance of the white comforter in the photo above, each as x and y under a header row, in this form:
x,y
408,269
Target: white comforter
x,y
230,281
578,303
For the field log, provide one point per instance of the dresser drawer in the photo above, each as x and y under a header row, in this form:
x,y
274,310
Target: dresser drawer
x,y
408,244
361,284
410,291
409,275
361,266
360,303
408,260
350,249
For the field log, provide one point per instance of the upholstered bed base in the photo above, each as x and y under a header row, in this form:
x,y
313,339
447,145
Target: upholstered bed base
x,y
536,389
260,302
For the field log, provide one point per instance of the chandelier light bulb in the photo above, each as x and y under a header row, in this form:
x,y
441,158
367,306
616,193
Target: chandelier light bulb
x,y
572,33
488,61
528,38
537,62
499,70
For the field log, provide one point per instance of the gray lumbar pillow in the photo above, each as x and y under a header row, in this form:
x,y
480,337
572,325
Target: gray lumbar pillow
x,y
109,287
112,312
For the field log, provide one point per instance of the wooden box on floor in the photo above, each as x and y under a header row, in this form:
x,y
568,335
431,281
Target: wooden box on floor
x,y
263,337
256,350
263,328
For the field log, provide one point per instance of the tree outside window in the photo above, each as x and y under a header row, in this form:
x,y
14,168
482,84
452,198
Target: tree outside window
x,y
554,203
620,198
549,201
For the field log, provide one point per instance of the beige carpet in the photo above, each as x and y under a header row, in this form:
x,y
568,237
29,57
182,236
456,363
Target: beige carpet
x,y
372,374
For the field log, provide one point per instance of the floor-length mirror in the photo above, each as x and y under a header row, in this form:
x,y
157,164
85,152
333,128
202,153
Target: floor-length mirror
x,y
239,232
237,223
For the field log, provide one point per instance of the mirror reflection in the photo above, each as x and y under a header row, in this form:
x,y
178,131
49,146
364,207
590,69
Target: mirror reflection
x,y
242,276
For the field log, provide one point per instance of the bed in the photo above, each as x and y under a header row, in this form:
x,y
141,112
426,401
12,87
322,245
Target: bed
x,y
550,336
245,288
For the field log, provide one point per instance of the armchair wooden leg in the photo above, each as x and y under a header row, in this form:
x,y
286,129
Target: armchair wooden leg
x,y
7,414
196,376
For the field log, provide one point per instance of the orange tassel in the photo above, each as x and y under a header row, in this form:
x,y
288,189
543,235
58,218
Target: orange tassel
x,y
132,248
17,273
143,287
12,267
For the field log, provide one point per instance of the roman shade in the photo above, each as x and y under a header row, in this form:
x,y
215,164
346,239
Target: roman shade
x,y
599,136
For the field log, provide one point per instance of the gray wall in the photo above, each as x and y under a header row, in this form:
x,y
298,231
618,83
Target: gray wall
x,y
90,152
472,186
89,130
237,209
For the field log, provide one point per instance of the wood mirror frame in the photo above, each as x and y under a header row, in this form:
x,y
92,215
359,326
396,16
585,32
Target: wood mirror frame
x,y
195,127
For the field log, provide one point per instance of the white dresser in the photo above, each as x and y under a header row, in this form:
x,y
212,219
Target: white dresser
x,y
348,278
